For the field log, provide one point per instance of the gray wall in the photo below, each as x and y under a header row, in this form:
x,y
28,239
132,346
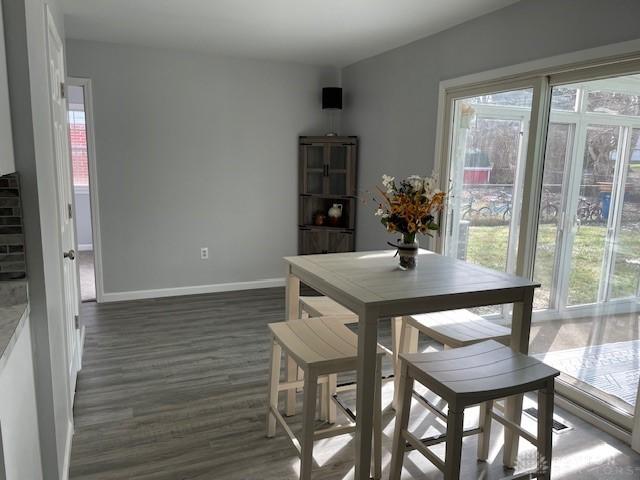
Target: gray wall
x,y
25,33
392,98
196,151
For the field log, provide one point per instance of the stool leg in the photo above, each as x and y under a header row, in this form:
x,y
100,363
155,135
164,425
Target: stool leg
x,y
396,326
485,437
331,406
324,401
402,421
453,452
545,430
274,380
408,342
377,424
308,419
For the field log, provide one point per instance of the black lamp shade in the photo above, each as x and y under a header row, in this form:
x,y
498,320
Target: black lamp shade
x,y
332,98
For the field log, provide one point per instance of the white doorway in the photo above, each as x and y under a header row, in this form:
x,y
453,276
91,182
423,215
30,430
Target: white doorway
x,y
81,141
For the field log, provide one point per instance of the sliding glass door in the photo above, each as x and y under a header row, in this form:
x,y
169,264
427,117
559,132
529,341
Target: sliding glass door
x,y
489,151
568,215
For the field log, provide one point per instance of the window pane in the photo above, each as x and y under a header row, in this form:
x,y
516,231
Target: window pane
x,y
625,281
487,159
559,141
613,103
515,98
600,158
564,99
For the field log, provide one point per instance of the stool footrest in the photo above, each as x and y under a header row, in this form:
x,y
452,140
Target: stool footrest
x,y
348,386
298,384
436,439
514,427
285,426
427,404
346,410
334,431
417,444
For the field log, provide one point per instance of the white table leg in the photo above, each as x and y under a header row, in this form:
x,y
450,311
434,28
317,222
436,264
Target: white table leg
x,y
520,331
292,303
367,351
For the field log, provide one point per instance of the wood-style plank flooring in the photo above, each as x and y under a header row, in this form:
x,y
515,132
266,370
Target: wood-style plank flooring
x,y
174,389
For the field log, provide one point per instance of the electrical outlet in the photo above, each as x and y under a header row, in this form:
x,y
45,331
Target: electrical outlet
x,y
204,253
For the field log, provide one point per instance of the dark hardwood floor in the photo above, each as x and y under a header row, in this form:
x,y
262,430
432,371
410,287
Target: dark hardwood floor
x,y
174,389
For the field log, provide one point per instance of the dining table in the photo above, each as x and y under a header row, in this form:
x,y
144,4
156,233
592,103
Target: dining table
x,y
373,286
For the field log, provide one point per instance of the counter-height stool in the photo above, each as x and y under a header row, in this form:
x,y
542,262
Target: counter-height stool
x,y
321,306
451,328
322,347
466,376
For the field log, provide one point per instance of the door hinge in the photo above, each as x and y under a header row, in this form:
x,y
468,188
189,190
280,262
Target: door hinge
x,y
76,319
62,90
70,211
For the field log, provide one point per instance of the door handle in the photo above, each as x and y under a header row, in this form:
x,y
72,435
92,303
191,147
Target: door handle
x,y
71,254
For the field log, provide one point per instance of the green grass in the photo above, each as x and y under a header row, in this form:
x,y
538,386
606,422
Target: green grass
x,y
488,246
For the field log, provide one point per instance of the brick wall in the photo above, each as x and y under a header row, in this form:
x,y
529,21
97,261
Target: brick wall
x,y
12,262
78,137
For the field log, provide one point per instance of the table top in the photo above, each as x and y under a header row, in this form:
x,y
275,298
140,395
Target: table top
x,y
365,279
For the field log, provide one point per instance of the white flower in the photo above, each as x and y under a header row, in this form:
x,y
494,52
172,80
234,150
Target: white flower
x,y
379,212
416,182
387,180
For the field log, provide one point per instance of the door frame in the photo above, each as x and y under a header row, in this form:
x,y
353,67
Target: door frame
x,y
588,65
87,85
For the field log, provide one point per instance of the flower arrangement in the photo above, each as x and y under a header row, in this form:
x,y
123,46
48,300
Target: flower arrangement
x,y
409,207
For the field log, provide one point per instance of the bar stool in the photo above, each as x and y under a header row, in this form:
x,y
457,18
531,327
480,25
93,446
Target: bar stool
x,y
321,306
466,376
321,347
451,328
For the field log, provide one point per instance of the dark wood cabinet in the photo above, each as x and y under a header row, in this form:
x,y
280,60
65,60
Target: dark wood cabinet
x,y
327,171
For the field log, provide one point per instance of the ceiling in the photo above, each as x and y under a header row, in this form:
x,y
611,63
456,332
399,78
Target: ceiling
x,y
322,32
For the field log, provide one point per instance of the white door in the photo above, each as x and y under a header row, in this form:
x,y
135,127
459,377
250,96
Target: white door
x,y
55,55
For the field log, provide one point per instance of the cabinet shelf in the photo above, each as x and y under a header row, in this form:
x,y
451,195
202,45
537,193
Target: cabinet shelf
x,y
328,196
326,227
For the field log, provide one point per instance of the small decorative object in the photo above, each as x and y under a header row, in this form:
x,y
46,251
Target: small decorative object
x,y
335,213
319,218
409,207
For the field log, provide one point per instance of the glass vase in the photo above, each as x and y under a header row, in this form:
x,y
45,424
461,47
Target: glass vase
x,y
408,251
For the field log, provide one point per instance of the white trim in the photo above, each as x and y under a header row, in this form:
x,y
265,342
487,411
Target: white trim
x,y
536,67
592,418
93,183
85,247
192,290
67,451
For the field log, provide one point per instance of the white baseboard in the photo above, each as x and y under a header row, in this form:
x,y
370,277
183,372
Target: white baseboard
x,y
67,452
85,247
193,290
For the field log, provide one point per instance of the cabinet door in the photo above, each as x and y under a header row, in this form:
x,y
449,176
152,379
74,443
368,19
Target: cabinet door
x,y
340,242
338,168
313,242
313,169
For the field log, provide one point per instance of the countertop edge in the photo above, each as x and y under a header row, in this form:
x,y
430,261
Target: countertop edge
x,y
4,356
